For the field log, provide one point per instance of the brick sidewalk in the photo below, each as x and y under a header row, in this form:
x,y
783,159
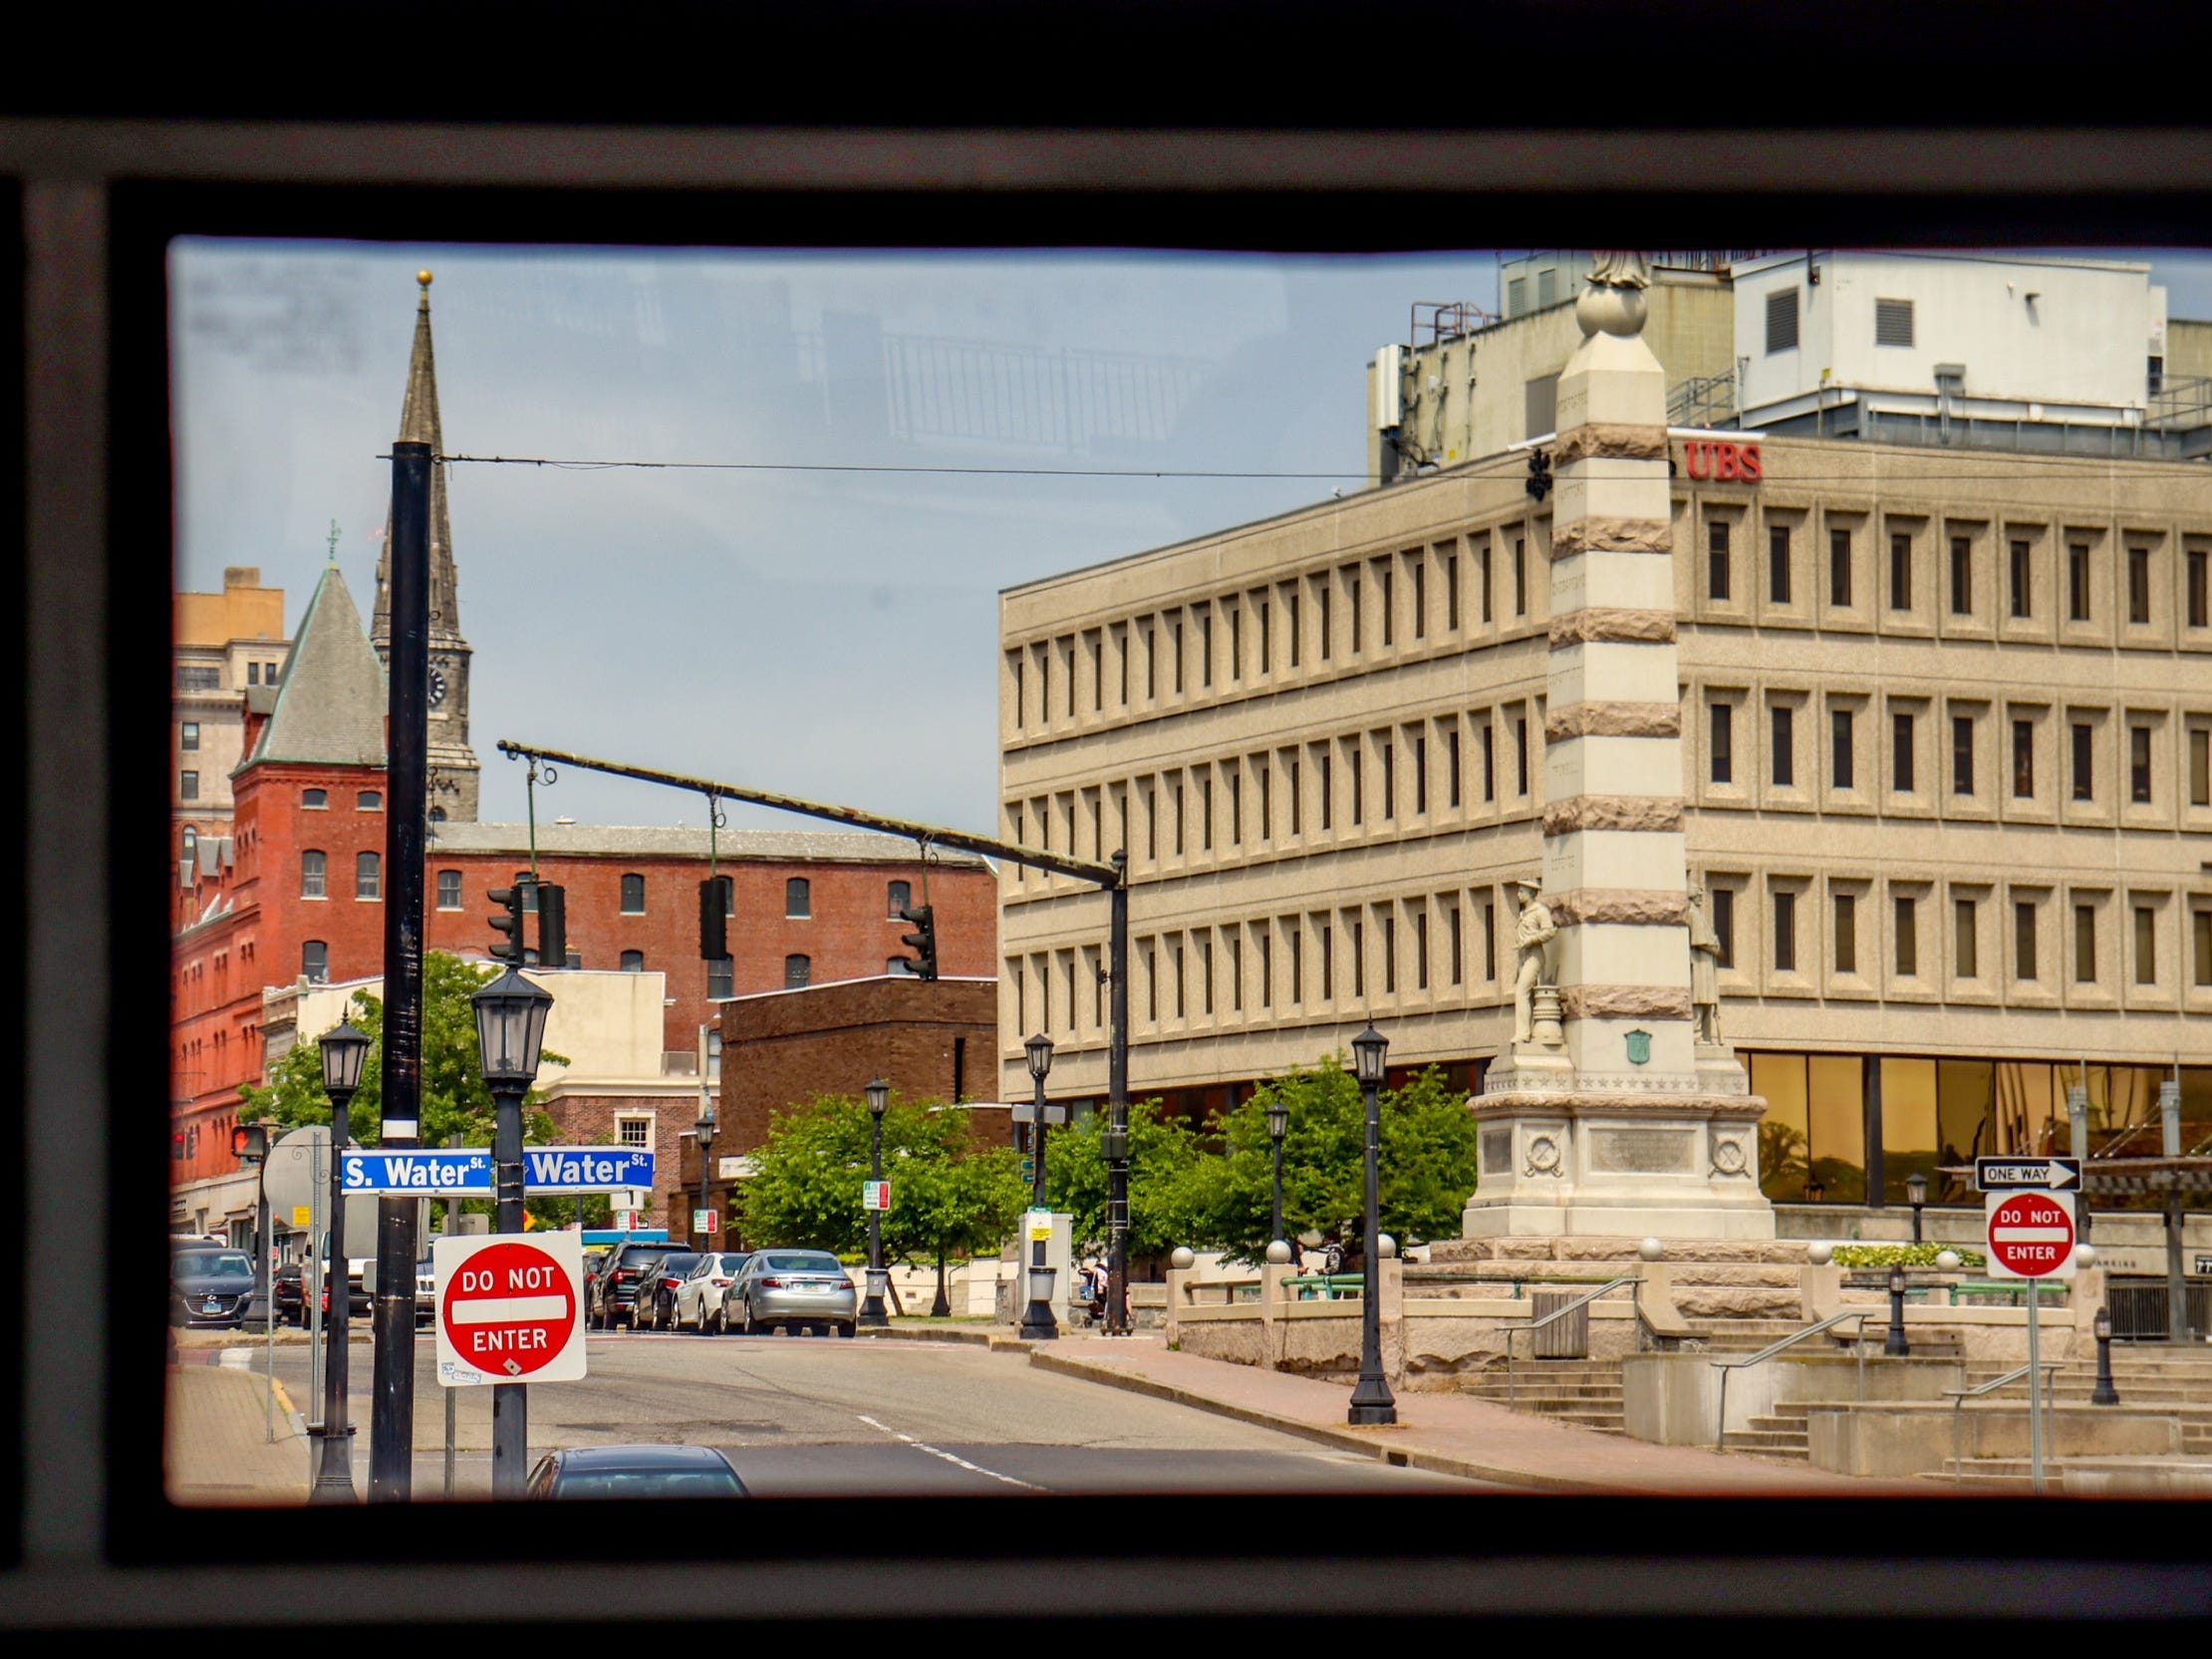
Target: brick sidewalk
x,y
1449,1433
217,1447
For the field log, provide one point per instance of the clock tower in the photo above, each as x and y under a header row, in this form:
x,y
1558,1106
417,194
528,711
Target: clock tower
x,y
453,770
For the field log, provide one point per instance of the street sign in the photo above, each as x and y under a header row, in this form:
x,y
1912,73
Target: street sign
x,y
303,1215
2030,1234
510,1309
2017,1174
707,1221
467,1171
875,1195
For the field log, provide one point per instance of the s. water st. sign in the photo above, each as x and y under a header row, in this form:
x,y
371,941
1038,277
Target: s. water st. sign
x,y
467,1171
510,1309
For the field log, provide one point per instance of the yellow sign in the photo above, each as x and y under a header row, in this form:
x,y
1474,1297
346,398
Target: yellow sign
x,y
1040,1226
303,1215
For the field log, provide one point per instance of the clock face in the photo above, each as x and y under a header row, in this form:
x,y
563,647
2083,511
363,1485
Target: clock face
x,y
437,686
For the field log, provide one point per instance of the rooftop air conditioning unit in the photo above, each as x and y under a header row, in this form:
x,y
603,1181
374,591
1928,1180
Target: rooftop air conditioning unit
x,y
1390,399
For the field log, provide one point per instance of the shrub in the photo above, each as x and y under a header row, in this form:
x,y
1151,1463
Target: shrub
x,y
1903,1256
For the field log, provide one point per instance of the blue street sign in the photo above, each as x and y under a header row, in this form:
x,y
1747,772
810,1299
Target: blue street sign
x,y
467,1173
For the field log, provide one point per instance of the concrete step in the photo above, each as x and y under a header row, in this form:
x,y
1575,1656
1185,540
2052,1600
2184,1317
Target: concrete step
x,y
1498,1388
1794,1428
1767,1442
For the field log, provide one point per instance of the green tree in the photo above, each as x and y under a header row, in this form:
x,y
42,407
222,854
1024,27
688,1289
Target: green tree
x,y
1169,1182
456,1101
1426,1167
963,1204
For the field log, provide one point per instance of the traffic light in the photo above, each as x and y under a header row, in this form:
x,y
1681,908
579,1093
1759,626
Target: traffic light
x,y
1539,481
713,918
510,949
923,940
552,926
249,1143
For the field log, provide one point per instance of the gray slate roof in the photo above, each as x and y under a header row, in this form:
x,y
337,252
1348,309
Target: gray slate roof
x,y
332,697
647,840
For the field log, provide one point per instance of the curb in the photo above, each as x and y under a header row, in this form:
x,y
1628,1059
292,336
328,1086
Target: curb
x,y
1347,1439
995,1340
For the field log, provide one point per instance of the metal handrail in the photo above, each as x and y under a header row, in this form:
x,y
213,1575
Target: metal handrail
x,y
1959,1396
1725,1366
1561,1313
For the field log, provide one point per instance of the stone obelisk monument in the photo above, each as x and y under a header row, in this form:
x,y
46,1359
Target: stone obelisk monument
x,y
1616,1109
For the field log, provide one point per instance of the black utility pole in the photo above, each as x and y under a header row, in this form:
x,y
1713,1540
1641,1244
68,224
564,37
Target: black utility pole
x,y
1116,1146
511,1402
1372,1401
392,1421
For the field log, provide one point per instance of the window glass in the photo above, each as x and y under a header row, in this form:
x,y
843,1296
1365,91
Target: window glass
x,y
1781,1132
633,895
720,974
315,961
369,800
369,875
312,873
449,890
798,897
897,897
313,797
632,962
1835,1108
796,971
1908,1125
187,785
188,735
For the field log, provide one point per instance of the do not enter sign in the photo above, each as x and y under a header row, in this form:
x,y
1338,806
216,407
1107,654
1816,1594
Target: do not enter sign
x,y
2030,1234
509,1310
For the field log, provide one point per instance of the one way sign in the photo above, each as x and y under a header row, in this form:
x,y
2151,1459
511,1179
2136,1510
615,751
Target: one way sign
x,y
2016,1175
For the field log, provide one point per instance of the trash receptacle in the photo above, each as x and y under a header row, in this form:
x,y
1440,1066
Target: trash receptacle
x,y
1563,1338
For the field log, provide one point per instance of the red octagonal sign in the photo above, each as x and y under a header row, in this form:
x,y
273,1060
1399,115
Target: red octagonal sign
x,y
509,1310
2030,1234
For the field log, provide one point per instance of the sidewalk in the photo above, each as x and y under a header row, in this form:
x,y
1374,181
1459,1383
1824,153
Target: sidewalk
x,y
1448,1434
217,1440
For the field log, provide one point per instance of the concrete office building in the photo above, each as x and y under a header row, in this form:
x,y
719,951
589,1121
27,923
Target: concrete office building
x,y
1945,720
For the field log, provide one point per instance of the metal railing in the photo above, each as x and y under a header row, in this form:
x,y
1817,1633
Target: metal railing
x,y
1725,1366
1560,1312
1703,401
1959,1396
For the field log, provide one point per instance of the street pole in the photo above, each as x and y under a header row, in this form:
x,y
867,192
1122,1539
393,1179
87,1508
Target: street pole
x,y
1894,1345
1116,1143
313,1289
511,1402
452,1231
872,1312
1038,1323
333,1461
2035,1385
392,1426
1372,1401
265,1248
1278,1125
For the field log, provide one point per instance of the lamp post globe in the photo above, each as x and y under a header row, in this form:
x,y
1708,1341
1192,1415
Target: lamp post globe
x,y
345,1055
1037,1321
510,1039
1372,1401
871,1313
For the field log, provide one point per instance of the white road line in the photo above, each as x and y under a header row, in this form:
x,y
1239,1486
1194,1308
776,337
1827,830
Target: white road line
x,y
940,1452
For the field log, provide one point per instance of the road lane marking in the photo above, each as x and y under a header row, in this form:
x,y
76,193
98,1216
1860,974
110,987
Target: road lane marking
x,y
940,1452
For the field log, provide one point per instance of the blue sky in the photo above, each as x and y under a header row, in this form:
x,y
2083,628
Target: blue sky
x,y
822,633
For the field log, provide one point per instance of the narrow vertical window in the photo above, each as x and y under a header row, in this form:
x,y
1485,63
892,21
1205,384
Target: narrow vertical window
x,y
2024,941
1359,784
2077,582
1328,963
2200,766
1206,644
2085,943
1724,925
1385,600
1521,577
367,875
1520,755
1840,567
1785,932
1490,942
1235,805
1266,638
1236,640
2138,585
2138,764
1359,959
1962,755
1846,932
1901,572
315,962
798,973
1175,645
1966,953
1908,938
2024,761
1389,779
1777,564
1785,747
1321,607
2017,581
1291,623
1298,798
2147,946
2084,780
798,897
1723,744
1489,611
1451,590
1390,954
1962,576
2199,584
1359,634
1327,792
1421,775
1420,595
1452,761
1459,960
1900,754
1717,559
1152,659
312,875
1490,762
1841,769
1206,811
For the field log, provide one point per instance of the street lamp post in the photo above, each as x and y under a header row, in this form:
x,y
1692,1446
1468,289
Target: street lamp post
x,y
2104,1394
1372,1401
872,1312
702,1132
1916,1193
1278,1125
1037,1323
1896,1344
345,1054
510,1034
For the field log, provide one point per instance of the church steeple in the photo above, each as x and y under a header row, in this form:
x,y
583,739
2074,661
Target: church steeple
x,y
454,767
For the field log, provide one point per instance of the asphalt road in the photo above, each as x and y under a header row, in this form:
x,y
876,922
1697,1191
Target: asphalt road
x,y
820,1416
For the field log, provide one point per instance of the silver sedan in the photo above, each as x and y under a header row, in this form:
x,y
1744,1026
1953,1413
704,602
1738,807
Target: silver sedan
x,y
798,1291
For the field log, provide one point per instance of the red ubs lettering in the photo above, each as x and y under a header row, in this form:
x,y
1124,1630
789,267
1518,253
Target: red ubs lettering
x,y
1722,461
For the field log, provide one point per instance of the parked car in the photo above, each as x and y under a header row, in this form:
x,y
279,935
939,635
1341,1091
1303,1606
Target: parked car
x,y
426,1293
802,1290
614,1295
698,1299
634,1472
360,1305
592,1261
657,1290
290,1290
210,1284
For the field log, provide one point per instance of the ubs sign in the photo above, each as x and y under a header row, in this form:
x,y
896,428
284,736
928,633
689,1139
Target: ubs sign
x,y
1721,460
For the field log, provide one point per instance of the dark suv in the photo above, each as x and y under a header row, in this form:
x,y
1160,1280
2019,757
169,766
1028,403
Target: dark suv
x,y
615,1291
209,1284
656,1298
290,1292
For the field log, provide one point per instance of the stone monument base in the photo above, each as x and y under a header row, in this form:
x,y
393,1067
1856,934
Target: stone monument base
x,y
1565,1152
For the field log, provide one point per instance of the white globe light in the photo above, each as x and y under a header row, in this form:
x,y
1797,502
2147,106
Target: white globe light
x,y
1183,1256
1385,1245
1819,1254
1278,1252
1948,1260
1651,1249
2084,1256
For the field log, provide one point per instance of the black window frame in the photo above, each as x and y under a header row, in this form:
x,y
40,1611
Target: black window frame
x,y
633,886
